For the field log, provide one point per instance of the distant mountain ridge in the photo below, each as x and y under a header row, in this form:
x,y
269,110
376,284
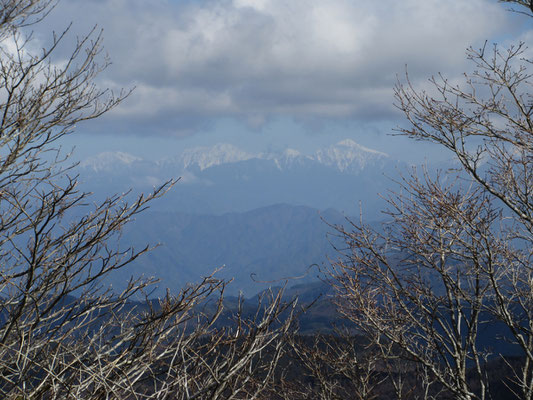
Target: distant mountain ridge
x,y
257,249
346,155
205,157
109,159
224,178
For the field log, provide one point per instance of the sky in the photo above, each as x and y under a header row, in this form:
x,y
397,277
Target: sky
x,y
270,74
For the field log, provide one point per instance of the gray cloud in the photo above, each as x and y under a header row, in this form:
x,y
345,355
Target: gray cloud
x,y
194,61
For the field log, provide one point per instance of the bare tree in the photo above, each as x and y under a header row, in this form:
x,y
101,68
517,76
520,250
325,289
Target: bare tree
x,y
62,335
420,285
455,254
336,366
521,5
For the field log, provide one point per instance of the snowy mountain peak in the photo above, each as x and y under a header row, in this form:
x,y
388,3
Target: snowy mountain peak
x,y
348,155
205,157
349,143
291,153
289,158
354,145
108,159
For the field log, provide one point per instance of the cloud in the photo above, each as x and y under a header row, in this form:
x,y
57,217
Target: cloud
x,y
195,61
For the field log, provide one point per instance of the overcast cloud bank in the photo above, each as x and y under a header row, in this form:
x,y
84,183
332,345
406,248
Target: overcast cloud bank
x,y
196,61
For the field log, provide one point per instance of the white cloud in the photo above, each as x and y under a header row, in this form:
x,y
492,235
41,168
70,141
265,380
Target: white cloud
x,y
196,60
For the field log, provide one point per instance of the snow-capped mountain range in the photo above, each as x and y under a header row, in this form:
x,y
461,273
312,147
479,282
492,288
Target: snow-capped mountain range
x,y
348,155
205,157
224,178
108,160
345,156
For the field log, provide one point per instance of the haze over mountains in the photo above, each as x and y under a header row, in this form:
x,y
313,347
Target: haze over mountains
x,y
346,155
255,214
224,178
258,248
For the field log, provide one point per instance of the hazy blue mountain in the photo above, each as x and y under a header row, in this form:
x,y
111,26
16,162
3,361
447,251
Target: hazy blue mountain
x,y
258,248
